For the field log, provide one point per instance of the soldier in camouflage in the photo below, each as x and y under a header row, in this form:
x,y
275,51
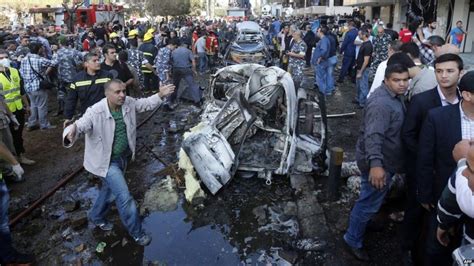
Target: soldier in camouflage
x,y
136,58
67,60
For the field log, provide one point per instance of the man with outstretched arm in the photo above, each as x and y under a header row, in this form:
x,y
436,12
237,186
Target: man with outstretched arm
x,y
110,129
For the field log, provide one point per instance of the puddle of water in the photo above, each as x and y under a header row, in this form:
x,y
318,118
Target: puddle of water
x,y
175,242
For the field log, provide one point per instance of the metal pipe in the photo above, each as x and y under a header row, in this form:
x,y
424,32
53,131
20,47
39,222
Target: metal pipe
x,y
331,116
63,182
44,197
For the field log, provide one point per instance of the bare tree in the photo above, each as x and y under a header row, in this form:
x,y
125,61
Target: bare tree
x,y
71,7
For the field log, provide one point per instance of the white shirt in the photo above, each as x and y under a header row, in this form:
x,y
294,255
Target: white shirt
x,y
464,195
201,45
444,101
467,125
379,77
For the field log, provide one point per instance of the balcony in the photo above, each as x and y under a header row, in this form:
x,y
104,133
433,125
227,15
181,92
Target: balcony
x,y
368,2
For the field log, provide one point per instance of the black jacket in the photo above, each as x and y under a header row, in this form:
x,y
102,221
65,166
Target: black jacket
x,y
439,134
417,110
88,89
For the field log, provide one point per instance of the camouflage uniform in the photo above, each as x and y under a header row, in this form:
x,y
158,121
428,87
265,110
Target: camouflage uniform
x,y
380,45
136,59
66,59
296,65
163,63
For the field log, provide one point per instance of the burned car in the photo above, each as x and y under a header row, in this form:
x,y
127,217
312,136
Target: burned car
x,y
248,46
251,126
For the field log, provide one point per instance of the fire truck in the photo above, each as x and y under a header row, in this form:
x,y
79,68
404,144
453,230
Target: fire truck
x,y
82,16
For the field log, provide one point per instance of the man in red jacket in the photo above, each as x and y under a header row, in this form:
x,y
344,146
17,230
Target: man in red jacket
x,y
212,47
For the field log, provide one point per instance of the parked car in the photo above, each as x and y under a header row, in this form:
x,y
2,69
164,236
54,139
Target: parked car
x,y
249,46
251,126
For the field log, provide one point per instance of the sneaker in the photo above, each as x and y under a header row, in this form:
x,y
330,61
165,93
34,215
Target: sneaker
x,y
48,127
144,240
24,160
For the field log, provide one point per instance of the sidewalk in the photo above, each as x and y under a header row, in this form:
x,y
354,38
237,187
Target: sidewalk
x,y
468,59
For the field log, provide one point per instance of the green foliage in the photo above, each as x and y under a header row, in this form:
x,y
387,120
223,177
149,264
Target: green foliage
x,y
168,7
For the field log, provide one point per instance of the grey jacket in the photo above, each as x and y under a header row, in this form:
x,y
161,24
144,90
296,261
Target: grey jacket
x,y
99,126
380,142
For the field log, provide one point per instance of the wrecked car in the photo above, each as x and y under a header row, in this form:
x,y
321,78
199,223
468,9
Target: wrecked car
x,y
248,46
251,126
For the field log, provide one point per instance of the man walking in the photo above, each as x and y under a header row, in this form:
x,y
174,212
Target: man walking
x,y
379,153
184,67
112,121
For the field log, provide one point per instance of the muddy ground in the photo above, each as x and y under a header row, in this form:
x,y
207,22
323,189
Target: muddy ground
x,y
248,222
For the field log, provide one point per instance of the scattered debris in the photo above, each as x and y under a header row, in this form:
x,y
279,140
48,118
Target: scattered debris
x,y
260,214
397,216
162,196
280,222
310,244
100,247
353,183
124,242
193,188
71,205
78,220
115,244
80,248
350,169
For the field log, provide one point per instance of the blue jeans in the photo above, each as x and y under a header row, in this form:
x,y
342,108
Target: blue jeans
x,y
332,61
114,188
362,85
6,249
321,77
202,62
368,204
347,64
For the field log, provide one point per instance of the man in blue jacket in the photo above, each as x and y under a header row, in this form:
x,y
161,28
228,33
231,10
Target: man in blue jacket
x,y
348,50
320,60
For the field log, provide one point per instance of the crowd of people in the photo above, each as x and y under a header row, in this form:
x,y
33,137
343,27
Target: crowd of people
x,y
417,108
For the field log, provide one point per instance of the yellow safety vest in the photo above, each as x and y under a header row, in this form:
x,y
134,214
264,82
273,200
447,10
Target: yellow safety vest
x,y
11,90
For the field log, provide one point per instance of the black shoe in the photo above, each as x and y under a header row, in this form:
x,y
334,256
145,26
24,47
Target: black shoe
x,y
19,258
358,253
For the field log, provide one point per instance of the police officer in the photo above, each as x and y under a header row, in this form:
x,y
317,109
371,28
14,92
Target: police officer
x,y
16,101
150,52
136,58
87,86
184,67
67,60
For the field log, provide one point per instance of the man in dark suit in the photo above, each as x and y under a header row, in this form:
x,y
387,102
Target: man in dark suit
x,y
441,130
441,95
